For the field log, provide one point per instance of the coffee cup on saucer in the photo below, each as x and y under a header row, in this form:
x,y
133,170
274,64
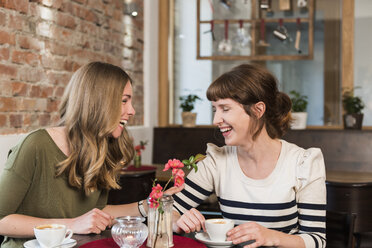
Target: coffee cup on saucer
x,y
217,228
51,235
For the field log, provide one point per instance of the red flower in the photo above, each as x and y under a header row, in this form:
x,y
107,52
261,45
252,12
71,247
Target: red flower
x,y
178,172
174,164
156,192
154,203
137,148
179,181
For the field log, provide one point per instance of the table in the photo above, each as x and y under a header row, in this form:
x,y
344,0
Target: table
x,y
351,192
84,239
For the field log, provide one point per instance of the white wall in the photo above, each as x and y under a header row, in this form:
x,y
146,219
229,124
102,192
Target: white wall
x,y
362,56
144,132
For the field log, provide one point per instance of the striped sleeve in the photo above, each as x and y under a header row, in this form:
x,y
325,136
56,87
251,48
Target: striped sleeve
x,y
311,198
198,185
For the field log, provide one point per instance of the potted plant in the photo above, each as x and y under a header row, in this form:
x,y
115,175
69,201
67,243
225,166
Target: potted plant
x,y
187,105
299,114
353,106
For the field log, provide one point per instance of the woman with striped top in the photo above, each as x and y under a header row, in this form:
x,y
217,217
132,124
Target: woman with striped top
x,y
273,190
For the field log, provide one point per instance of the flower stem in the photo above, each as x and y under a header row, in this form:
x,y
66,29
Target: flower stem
x,y
170,179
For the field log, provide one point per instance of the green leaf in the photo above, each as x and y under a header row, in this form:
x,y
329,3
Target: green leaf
x,y
199,157
191,159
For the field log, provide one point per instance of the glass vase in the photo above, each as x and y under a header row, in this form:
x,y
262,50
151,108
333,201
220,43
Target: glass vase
x,y
159,221
129,231
137,161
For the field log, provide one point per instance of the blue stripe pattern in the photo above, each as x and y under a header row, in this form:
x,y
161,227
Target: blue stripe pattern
x,y
312,229
259,218
315,240
312,217
197,187
264,206
191,196
181,202
311,206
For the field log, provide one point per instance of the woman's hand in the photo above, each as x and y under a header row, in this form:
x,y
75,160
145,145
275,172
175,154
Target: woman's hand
x,y
253,231
94,221
174,190
191,221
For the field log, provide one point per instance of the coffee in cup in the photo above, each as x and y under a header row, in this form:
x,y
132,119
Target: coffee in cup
x,y
51,235
217,228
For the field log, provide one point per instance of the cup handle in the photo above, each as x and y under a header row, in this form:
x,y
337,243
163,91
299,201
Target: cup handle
x,y
69,234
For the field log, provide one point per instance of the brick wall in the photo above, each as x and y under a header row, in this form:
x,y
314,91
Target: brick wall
x,y
42,42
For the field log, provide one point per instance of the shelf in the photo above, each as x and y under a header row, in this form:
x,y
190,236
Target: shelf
x,y
257,28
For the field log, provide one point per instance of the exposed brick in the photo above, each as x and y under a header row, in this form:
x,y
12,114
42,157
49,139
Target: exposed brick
x,y
7,38
27,104
16,22
63,34
117,15
56,4
45,13
30,74
53,62
35,91
2,18
80,1
54,119
88,27
108,10
46,91
4,53
16,120
91,17
58,91
44,29
19,89
28,42
52,105
24,57
30,119
8,104
5,88
65,20
3,120
96,5
8,71
57,78
44,119
56,48
19,5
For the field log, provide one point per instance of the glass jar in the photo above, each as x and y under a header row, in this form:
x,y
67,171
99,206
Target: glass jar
x,y
129,231
137,161
159,221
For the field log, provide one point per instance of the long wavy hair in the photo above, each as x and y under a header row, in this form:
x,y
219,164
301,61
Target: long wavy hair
x,y
90,110
249,84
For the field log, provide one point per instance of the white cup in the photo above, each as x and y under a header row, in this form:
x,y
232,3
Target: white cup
x,y
51,235
217,228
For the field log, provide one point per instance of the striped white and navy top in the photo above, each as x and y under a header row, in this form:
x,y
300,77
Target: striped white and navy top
x,y
292,199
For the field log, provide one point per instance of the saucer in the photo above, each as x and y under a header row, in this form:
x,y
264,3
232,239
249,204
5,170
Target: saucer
x,y
34,244
204,238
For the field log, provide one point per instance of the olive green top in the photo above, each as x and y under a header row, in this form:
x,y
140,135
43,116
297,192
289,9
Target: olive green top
x,y
28,185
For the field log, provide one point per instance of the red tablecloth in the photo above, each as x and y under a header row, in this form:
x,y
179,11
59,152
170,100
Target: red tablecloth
x,y
179,242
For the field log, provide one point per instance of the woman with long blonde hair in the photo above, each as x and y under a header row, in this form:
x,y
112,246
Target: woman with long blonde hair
x,y
63,174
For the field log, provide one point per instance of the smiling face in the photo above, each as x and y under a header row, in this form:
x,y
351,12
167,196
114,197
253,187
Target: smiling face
x,y
232,120
127,110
